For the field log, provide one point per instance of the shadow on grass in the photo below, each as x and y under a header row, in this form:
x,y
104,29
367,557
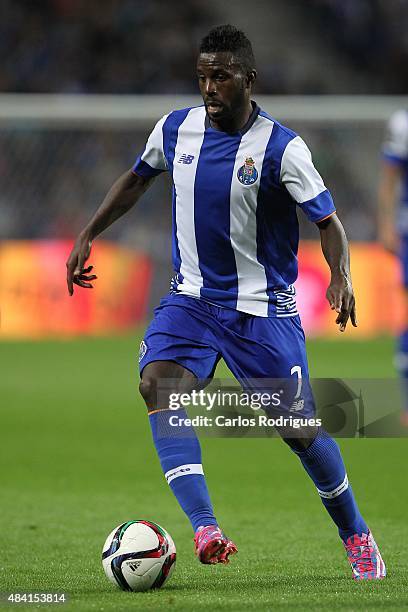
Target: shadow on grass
x,y
253,584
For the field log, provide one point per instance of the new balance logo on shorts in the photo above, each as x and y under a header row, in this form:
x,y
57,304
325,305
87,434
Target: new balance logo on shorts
x,y
186,159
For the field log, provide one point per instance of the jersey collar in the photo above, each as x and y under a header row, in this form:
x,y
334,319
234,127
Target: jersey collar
x,y
247,126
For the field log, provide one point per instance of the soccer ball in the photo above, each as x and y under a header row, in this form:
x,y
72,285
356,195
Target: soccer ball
x,y
138,555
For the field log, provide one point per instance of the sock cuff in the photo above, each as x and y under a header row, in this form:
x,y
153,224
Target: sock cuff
x,y
321,445
158,410
170,424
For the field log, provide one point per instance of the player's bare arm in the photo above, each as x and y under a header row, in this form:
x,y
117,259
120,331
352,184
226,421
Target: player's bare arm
x,y
340,293
390,182
121,197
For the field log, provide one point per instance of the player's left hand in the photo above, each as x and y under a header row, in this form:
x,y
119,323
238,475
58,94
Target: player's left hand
x,y
341,298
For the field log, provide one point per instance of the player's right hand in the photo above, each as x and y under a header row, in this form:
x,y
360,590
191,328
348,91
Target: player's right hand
x,y
76,273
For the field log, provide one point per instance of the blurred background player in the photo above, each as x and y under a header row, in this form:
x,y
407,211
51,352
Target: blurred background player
x,y
393,222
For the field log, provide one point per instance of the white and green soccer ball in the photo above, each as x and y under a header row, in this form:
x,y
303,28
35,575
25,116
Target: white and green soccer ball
x,y
138,555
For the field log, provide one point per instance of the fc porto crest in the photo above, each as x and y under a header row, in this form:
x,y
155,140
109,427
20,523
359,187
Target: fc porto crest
x,y
247,174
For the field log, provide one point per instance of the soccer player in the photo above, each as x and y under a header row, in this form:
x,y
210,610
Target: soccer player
x,y
393,227
238,176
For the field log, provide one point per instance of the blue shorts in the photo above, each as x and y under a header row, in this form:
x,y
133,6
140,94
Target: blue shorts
x,y
196,334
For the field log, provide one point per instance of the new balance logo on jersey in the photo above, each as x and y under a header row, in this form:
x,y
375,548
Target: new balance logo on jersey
x,y
186,159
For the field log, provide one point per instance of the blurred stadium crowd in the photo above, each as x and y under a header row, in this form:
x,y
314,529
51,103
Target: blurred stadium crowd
x,y
372,37
89,46
134,46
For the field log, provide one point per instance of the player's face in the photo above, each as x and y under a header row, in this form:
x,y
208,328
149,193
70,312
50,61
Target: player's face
x,y
224,84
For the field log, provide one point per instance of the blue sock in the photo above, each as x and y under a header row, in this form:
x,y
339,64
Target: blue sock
x,y
324,464
401,362
180,457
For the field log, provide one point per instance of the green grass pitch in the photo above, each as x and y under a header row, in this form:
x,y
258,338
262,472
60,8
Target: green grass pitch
x,y
77,459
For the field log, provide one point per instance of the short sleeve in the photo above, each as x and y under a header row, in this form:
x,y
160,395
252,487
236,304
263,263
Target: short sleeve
x,y
304,183
152,160
395,148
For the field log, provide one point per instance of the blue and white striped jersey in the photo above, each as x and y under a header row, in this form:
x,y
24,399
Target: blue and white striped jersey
x,y
235,228
395,151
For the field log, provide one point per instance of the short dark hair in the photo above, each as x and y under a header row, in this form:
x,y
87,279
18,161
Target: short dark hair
x,y
229,38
